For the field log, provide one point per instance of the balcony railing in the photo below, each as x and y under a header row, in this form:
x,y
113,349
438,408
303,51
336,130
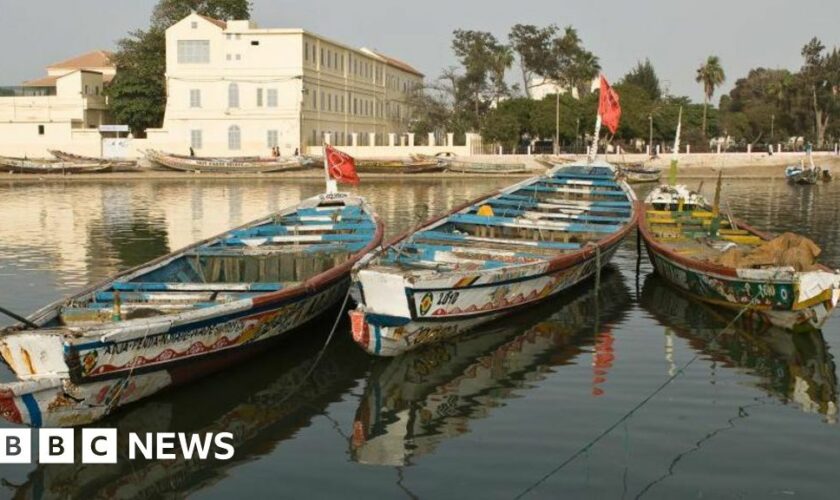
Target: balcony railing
x,y
20,91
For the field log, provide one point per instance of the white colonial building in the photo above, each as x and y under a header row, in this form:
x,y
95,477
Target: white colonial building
x,y
58,111
236,89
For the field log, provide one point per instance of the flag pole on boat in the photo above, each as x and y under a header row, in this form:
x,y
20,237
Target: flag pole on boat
x,y
672,172
331,184
609,113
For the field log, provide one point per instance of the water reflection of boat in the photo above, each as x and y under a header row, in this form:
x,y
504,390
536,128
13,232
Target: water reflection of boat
x,y
794,366
413,402
252,402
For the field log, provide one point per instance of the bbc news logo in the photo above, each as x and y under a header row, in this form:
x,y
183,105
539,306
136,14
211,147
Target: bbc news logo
x,y
99,446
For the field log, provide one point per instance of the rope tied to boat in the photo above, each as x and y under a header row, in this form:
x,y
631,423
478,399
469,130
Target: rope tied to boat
x,y
597,264
585,448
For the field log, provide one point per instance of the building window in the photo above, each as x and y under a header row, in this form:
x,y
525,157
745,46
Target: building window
x,y
234,138
306,51
229,57
314,100
342,104
271,139
322,100
228,36
259,98
255,42
322,56
40,130
314,137
238,57
195,98
233,95
195,139
193,51
194,25
87,90
272,98
238,36
329,102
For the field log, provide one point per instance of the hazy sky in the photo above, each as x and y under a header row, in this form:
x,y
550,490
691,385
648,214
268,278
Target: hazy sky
x,y
675,35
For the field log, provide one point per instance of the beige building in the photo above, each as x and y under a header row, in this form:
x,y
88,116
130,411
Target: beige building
x,y
234,88
57,110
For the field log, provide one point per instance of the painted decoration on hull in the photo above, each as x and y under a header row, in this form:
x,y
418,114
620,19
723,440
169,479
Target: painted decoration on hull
x,y
175,346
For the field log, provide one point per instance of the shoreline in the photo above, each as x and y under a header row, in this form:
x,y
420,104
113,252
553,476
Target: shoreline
x,y
758,168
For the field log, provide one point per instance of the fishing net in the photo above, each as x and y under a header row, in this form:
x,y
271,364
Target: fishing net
x,y
787,250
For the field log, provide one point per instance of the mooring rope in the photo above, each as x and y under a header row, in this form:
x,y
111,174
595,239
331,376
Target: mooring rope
x,y
628,414
322,350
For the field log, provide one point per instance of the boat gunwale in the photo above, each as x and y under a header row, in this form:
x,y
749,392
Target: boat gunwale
x,y
555,263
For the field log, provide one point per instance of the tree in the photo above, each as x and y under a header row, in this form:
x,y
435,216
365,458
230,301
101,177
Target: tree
x,y
820,76
485,61
137,94
501,59
532,44
168,12
710,74
644,77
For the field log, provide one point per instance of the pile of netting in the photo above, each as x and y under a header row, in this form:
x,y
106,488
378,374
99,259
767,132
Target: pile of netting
x,y
787,250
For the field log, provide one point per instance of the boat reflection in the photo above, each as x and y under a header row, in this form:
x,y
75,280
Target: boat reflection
x,y
793,367
262,403
415,401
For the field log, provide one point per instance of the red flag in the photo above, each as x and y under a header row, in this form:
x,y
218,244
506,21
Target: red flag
x,y
608,106
341,166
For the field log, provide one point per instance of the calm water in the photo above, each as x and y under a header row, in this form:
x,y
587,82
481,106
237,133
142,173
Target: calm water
x,y
491,416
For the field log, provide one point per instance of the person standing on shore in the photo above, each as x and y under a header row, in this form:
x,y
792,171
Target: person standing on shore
x,y
192,152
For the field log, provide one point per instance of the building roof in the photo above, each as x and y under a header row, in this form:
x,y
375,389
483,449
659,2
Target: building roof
x,y
398,64
217,22
47,81
95,59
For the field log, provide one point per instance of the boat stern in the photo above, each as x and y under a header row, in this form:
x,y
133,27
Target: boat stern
x,y
383,308
817,295
34,353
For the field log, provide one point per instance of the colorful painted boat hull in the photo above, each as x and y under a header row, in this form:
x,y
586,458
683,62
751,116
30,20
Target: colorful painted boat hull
x,y
71,375
782,296
399,312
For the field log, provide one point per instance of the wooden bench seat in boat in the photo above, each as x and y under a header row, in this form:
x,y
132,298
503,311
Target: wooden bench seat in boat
x,y
455,237
483,220
532,214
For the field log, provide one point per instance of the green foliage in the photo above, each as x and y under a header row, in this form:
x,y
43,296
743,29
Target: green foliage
x,y
644,76
819,80
138,92
531,44
710,74
168,12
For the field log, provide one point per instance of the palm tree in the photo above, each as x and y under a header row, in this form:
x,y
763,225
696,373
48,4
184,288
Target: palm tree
x,y
501,61
710,74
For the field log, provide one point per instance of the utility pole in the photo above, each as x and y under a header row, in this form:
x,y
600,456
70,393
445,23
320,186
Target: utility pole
x,y
557,121
577,134
772,124
650,125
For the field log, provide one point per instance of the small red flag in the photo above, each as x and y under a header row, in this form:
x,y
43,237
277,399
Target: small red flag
x,y
341,166
608,106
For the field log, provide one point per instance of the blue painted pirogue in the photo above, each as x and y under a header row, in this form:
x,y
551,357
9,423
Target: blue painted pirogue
x,y
727,262
484,259
186,314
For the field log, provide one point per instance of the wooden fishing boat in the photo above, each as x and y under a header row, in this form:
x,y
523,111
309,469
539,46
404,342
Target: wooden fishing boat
x,y
491,256
729,263
469,167
798,175
551,161
793,368
639,174
413,403
399,166
226,165
25,166
263,403
185,314
117,164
